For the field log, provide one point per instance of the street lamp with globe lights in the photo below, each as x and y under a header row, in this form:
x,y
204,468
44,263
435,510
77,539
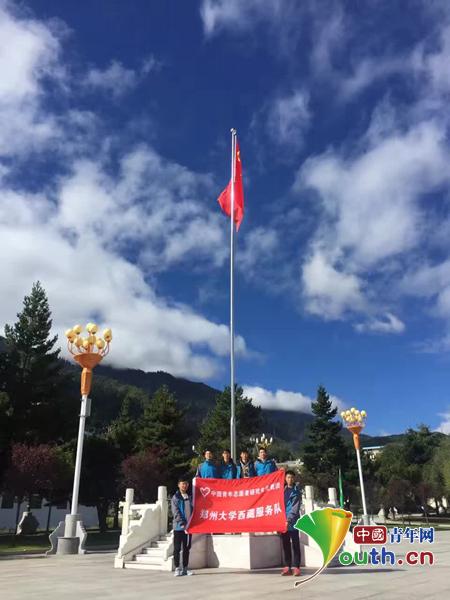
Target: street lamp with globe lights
x,y
355,421
88,352
262,441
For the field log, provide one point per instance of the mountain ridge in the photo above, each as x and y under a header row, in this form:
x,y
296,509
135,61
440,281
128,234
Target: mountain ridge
x,y
195,398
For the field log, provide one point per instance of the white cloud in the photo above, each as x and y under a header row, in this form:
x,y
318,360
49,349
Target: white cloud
x,y
426,280
29,52
284,400
73,254
36,50
98,234
285,21
288,117
330,35
431,282
375,219
373,198
444,426
338,403
158,206
433,64
370,212
257,248
426,65
389,323
118,79
367,71
281,399
240,15
375,195
329,292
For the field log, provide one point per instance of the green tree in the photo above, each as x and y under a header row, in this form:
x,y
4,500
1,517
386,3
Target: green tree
x,y
5,433
410,462
438,471
40,469
324,450
281,451
398,494
215,429
351,484
163,428
143,472
30,372
100,473
123,431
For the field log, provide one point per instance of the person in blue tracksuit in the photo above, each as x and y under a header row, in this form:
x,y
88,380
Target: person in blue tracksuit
x,y
181,511
208,468
245,466
264,465
227,468
291,537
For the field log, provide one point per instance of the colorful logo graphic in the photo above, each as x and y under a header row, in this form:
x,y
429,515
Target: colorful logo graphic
x,y
328,528
370,534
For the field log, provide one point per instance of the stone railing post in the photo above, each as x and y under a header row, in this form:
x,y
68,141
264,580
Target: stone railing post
x,y
309,499
129,498
162,501
332,496
382,515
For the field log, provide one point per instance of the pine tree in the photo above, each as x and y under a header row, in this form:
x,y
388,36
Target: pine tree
x,y
99,476
215,429
123,431
30,372
324,451
163,427
5,433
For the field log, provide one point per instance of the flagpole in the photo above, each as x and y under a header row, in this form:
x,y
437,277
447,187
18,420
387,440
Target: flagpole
x,y
233,407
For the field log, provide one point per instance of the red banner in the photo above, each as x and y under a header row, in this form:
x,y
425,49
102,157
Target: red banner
x,y
255,504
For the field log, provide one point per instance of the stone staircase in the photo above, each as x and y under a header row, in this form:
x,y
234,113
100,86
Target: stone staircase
x,y
156,557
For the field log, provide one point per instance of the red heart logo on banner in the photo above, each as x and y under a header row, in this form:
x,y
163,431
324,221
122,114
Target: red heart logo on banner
x,y
205,491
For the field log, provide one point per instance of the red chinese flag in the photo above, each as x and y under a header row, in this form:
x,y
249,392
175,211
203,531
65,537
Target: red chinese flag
x,y
254,504
225,197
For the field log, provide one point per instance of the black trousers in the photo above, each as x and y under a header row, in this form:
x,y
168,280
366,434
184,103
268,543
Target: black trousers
x,y
181,540
291,554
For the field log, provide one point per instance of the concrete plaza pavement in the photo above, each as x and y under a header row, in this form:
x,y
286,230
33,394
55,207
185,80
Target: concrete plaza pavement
x,y
92,577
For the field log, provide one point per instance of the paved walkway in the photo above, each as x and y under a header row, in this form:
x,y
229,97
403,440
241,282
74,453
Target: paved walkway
x,y
92,577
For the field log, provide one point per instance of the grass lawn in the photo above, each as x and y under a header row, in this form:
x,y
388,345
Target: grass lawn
x,y
39,542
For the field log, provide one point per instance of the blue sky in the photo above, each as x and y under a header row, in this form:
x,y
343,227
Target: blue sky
x,y
114,146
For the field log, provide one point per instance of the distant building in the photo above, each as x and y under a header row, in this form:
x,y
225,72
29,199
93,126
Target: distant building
x,y
290,464
372,451
42,511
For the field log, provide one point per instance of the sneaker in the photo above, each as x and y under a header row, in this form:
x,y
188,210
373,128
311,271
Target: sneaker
x,y
296,572
186,572
178,572
286,571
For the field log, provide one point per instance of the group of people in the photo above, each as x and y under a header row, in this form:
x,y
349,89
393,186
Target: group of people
x,y
227,469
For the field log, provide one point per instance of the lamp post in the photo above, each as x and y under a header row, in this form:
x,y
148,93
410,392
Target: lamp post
x,y
88,353
262,441
355,421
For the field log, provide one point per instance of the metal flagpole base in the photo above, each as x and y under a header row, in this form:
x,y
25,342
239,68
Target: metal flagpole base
x,y
68,545
74,539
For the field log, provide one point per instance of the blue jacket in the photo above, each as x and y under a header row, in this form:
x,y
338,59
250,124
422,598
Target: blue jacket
x,y
251,469
179,512
292,505
264,467
208,470
228,470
